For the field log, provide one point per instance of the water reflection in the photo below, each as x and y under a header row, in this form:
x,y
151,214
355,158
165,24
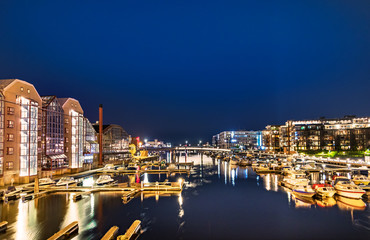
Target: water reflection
x,y
217,198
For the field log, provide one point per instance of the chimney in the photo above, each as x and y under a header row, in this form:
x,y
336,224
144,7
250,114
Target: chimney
x,y
101,134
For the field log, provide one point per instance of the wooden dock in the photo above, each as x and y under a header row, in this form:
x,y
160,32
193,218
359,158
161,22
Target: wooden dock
x,y
65,232
132,232
3,226
110,235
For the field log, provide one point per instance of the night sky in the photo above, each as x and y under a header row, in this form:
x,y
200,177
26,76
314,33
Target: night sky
x,y
186,70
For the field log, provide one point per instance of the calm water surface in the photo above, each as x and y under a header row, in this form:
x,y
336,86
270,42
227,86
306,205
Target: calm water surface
x,y
219,202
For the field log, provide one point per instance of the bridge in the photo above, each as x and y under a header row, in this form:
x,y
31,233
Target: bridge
x,y
189,148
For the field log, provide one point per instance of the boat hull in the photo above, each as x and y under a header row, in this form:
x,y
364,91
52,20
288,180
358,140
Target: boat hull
x,y
350,194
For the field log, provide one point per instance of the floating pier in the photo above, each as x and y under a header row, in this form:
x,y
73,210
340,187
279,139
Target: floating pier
x,y
3,226
110,235
132,232
65,232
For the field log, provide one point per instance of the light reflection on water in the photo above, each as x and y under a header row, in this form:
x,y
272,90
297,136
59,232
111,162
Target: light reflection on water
x,y
219,201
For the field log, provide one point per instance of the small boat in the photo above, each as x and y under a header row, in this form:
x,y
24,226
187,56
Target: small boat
x,y
324,190
45,181
303,191
12,193
361,180
104,179
109,167
66,180
294,179
345,188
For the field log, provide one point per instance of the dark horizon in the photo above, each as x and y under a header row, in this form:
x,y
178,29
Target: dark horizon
x,y
191,69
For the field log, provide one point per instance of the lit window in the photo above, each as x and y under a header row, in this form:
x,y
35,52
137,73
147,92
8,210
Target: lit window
x,y
10,137
10,124
29,91
10,111
22,89
9,165
9,150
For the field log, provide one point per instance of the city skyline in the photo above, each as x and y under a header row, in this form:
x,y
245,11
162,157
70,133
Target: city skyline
x,y
180,72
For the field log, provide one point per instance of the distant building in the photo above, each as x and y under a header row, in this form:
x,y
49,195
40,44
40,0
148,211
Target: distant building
x,y
337,134
156,144
115,142
91,145
246,140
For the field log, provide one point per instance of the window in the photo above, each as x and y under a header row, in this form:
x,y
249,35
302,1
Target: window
x,y
9,150
67,130
9,165
10,137
28,91
10,111
10,124
66,149
66,121
22,89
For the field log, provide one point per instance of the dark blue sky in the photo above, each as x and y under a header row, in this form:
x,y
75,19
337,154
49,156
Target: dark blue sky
x,y
179,70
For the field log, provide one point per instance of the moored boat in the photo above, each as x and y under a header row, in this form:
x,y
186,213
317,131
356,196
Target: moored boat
x,y
345,188
45,181
66,180
303,190
104,179
324,190
361,180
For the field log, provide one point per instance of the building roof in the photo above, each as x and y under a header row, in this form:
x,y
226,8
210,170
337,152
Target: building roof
x,y
46,100
107,127
5,82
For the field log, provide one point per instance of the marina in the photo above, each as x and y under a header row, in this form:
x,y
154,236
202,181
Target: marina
x,y
194,206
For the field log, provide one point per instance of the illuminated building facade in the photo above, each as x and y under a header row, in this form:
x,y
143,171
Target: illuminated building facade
x,y
115,142
91,146
73,133
271,138
340,134
53,157
245,140
19,127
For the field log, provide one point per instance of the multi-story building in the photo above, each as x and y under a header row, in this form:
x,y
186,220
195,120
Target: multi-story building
x,y
339,134
91,146
53,158
115,142
73,133
19,124
271,138
250,140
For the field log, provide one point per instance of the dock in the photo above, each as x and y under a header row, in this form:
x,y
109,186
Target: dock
x,y
110,235
132,232
3,226
65,232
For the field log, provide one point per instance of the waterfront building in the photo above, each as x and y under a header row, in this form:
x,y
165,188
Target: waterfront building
x,y
19,124
271,138
91,146
115,142
156,144
245,140
73,133
53,158
335,134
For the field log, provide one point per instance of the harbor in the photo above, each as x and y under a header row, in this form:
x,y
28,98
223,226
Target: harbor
x,y
183,211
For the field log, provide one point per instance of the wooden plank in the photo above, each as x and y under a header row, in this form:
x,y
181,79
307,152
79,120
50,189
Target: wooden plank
x,y
112,232
65,232
133,230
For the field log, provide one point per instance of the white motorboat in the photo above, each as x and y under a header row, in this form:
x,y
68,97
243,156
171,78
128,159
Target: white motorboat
x,y
303,190
324,190
66,180
104,179
344,187
361,180
45,181
109,167
294,179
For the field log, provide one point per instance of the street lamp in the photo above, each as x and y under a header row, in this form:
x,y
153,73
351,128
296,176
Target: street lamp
x,y
200,142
